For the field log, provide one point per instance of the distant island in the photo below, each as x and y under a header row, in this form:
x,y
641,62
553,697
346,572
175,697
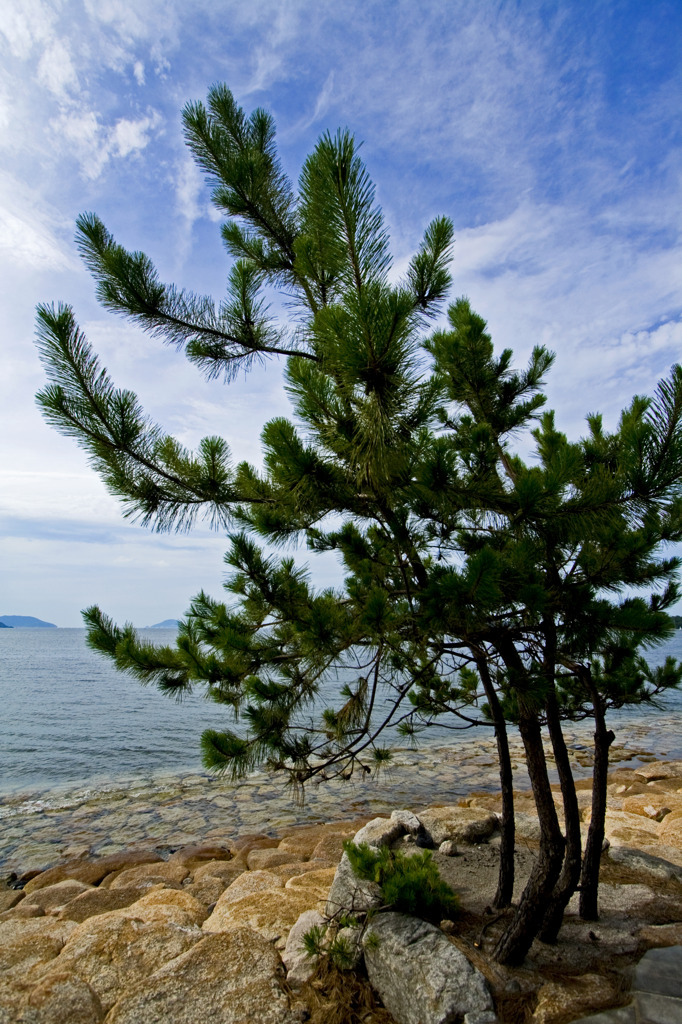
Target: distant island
x,y
25,622
3,625
166,624
677,619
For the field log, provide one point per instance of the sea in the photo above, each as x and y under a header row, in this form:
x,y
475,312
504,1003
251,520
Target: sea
x,y
91,759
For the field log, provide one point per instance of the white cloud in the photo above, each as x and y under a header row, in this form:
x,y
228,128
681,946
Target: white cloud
x,y
94,143
56,70
30,233
138,71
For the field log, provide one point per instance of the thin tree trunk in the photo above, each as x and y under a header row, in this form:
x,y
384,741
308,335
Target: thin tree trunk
x,y
517,939
570,871
505,881
589,883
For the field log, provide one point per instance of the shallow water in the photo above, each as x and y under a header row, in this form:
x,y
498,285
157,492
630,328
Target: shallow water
x,y
90,760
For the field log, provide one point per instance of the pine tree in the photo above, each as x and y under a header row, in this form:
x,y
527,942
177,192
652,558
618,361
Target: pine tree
x,y
474,585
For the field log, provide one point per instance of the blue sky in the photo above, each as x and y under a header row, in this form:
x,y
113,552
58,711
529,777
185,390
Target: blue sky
x,y
549,133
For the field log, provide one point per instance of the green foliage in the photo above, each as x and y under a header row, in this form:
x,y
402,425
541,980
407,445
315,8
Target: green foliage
x,y
409,883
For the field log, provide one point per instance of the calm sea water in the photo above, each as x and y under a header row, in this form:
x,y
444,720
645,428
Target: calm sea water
x,y
68,718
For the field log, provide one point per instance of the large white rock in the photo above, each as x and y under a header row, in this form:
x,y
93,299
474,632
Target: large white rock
x,y
350,894
408,820
420,977
380,832
299,965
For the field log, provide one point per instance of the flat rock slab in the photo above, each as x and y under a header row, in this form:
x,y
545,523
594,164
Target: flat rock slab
x,y
650,1007
660,770
420,977
461,824
229,978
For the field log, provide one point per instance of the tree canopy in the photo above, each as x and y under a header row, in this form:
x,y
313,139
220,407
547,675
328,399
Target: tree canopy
x,y
474,584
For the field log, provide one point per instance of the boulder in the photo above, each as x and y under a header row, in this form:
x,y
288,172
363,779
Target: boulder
x,y
227,870
408,820
448,848
304,840
192,856
649,805
230,978
55,897
350,894
670,830
660,770
112,952
9,898
380,832
461,824
173,905
144,875
24,943
247,883
287,871
253,842
258,860
62,999
22,910
299,965
99,901
420,977
645,863
207,890
318,882
90,871
657,936
330,847
272,913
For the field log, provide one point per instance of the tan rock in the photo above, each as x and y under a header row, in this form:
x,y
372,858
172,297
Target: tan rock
x,y
670,830
227,870
649,805
286,871
177,906
271,913
573,998
22,910
229,978
620,820
24,943
255,841
259,860
62,999
330,847
461,824
318,882
250,882
99,901
9,898
111,952
90,871
193,856
55,897
304,840
147,874
657,935
207,890
660,770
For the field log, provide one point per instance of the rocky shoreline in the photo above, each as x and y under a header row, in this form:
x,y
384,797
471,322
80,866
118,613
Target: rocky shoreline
x,y
204,932
39,827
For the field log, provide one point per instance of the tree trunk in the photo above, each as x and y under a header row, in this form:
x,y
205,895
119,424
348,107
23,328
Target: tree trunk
x,y
570,871
517,939
589,883
505,881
